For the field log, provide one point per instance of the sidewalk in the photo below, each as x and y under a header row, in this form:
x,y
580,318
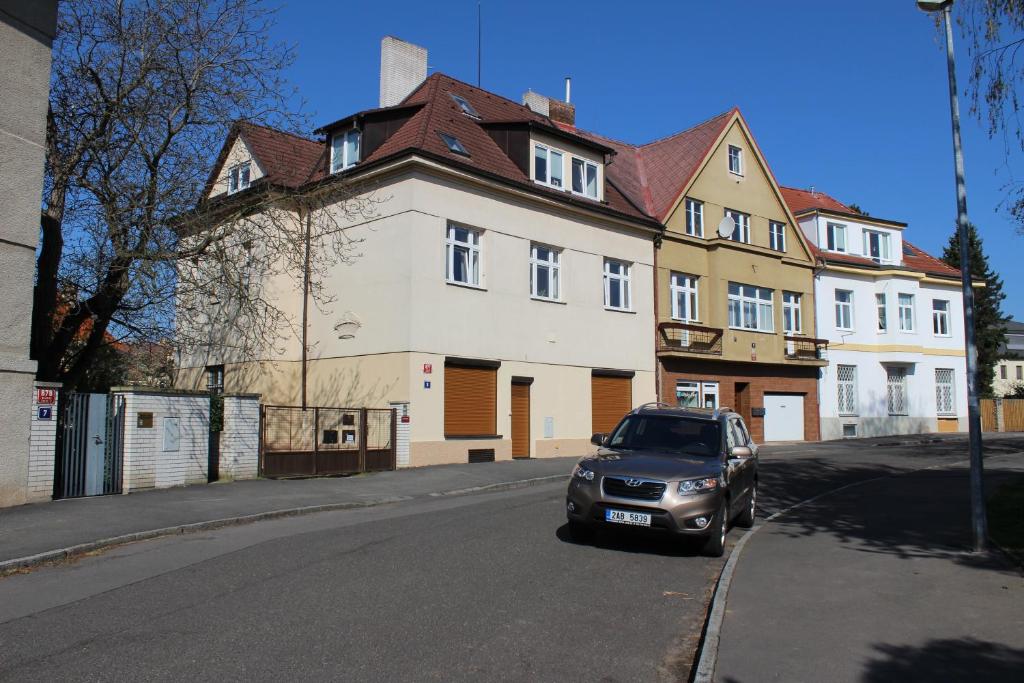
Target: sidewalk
x,y
874,583
32,529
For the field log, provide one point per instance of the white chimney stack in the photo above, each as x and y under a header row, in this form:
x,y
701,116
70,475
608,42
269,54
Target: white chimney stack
x,y
403,66
568,89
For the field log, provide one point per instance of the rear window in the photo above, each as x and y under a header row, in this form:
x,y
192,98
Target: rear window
x,y
666,433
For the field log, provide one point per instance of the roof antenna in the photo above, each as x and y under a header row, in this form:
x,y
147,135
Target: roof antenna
x,y
479,40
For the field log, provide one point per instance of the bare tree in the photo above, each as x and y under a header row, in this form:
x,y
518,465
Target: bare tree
x,y
143,95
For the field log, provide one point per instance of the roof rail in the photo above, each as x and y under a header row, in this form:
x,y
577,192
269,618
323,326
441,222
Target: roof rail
x,y
656,404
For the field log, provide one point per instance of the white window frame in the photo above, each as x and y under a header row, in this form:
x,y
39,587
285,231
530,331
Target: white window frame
x,y
701,391
736,154
239,177
694,217
474,258
749,305
622,280
882,311
940,319
586,165
847,401
685,288
347,159
553,265
791,311
884,246
899,374
833,233
741,221
945,392
905,312
777,235
844,307
548,153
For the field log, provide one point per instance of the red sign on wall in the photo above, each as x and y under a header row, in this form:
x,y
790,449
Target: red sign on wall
x,y
427,368
46,396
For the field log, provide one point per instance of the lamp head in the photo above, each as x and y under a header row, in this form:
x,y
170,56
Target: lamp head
x,y
933,5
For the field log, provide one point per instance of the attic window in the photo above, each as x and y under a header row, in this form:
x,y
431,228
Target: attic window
x,y
238,177
344,150
465,106
453,144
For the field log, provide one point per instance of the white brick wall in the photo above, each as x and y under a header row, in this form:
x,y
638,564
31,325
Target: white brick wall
x,y
403,66
146,463
42,448
240,438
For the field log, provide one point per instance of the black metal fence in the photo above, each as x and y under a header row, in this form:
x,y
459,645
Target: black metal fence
x,y
309,442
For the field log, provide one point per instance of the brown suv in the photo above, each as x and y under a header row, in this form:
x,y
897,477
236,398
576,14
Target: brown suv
x,y
685,471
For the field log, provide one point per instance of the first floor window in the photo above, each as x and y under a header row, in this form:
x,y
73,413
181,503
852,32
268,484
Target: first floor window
x,y
844,309
777,235
835,237
684,297
1002,372
238,177
944,403
846,376
584,177
694,217
896,390
883,321
547,166
940,317
791,322
344,150
741,221
1020,372
696,394
616,284
545,272
463,255
906,302
751,307
215,379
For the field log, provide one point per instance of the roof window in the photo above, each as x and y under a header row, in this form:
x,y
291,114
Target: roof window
x,y
907,251
464,105
453,144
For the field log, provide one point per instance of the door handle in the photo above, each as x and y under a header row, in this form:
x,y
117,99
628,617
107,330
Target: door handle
x,y
97,440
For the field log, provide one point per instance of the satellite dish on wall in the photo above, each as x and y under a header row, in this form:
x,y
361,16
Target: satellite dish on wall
x,y
726,227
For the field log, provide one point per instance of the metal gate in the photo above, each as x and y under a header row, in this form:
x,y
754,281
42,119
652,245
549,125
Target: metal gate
x,y
90,445
309,442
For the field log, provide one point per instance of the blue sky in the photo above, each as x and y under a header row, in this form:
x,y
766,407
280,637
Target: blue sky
x,y
850,97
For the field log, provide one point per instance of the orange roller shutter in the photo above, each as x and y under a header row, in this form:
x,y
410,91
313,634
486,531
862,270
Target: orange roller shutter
x,y
610,399
470,398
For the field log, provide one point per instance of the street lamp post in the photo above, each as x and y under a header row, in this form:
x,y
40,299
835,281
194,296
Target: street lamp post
x,y
979,524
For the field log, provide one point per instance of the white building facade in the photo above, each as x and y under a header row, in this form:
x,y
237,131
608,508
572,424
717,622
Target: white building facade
x,y
894,320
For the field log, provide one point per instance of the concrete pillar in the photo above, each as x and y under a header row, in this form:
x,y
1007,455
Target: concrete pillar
x,y
240,437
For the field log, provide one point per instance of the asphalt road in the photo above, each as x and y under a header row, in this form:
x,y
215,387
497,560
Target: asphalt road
x,y
476,588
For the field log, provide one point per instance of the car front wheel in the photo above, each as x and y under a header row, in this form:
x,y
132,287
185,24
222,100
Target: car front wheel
x,y
746,518
714,545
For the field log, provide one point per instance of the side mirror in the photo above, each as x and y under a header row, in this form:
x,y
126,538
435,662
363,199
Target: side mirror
x,y
741,452
598,439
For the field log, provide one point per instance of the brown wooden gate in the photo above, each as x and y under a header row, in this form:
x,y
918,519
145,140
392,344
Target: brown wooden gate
x,y
310,442
988,414
1013,414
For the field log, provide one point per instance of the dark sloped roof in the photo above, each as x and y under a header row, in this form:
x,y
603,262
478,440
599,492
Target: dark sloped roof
x,y
286,159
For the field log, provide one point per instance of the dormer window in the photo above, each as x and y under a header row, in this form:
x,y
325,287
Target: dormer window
x,y
465,106
876,245
453,144
584,177
735,160
238,177
548,166
344,150
835,237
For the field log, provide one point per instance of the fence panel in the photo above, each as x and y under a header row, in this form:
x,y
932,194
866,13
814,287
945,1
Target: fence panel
x,y
1013,414
988,414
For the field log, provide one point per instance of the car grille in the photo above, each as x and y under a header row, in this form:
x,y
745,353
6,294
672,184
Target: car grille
x,y
647,490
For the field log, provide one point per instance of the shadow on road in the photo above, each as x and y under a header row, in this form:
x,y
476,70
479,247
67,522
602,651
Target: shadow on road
x,y
638,542
964,659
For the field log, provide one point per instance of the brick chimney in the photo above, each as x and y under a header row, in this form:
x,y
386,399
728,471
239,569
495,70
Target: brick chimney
x,y
556,110
403,66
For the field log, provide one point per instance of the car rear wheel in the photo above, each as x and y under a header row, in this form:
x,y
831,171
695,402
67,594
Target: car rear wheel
x,y
714,545
580,532
746,518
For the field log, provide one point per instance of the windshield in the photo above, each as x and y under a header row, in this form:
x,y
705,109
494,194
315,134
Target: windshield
x,y
667,433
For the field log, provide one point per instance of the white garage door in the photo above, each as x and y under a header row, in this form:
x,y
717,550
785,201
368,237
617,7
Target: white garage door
x,y
783,417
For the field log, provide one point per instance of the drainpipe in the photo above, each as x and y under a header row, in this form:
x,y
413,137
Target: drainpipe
x,y
305,305
656,243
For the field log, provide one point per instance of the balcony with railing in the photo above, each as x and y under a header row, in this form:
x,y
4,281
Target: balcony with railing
x,y
688,338
807,349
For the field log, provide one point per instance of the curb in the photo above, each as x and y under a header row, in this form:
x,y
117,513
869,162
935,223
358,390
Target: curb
x,y
73,551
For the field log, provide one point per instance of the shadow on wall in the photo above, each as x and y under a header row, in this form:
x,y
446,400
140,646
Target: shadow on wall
x,y
964,659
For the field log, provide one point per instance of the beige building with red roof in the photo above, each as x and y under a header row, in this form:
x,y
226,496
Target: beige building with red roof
x,y
893,318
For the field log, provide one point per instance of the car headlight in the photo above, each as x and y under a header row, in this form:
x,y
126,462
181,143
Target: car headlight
x,y
692,487
582,472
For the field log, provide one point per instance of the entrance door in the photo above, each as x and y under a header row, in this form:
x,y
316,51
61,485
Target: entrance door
x,y
520,420
88,461
783,417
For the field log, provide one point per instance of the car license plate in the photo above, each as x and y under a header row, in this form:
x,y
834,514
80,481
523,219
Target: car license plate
x,y
625,517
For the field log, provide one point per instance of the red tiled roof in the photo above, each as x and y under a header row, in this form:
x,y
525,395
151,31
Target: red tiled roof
x,y
802,200
285,158
925,262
